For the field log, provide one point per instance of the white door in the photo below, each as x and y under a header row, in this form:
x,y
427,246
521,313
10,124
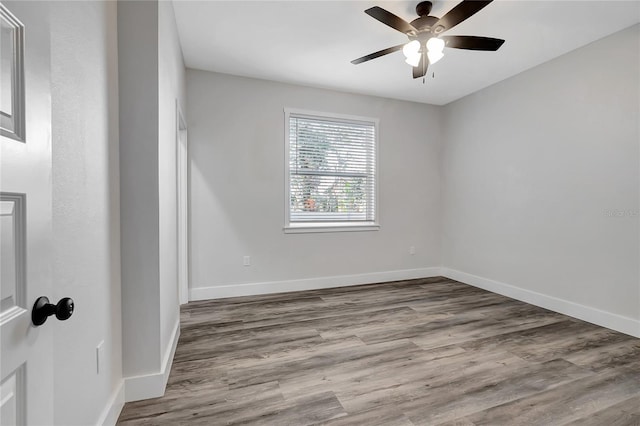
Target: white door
x,y
26,352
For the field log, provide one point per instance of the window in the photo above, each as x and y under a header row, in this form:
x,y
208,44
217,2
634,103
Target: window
x,y
331,172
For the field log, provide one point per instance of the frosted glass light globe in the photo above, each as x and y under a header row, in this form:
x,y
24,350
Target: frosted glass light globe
x,y
411,49
414,60
435,44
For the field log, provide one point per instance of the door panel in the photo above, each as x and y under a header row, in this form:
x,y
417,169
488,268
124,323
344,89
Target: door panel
x,y
12,398
12,262
26,359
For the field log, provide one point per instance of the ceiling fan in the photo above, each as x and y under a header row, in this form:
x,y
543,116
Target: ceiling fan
x,y
426,44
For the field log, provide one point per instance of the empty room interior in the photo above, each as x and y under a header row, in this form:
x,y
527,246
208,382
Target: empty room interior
x,y
320,212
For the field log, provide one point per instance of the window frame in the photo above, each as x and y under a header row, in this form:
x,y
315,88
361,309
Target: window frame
x,y
328,226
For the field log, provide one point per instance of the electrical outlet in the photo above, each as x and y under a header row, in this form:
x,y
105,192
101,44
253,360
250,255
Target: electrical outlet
x,y
99,356
246,261
412,250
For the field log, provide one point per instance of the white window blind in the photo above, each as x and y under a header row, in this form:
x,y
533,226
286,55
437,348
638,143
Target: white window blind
x,y
332,170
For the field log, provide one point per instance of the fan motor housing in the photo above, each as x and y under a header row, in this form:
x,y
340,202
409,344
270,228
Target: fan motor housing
x,y
424,23
424,8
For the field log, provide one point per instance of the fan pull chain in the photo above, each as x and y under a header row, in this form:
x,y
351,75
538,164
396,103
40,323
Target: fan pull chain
x,y
424,78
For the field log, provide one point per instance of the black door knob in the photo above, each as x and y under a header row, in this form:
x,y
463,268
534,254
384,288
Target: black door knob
x,y
42,310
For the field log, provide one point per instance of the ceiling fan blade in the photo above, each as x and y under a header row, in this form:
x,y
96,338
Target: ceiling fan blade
x,y
390,19
421,69
459,13
473,43
377,54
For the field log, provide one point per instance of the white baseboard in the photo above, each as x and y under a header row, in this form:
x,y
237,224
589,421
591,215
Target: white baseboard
x,y
109,416
153,385
610,320
595,316
251,289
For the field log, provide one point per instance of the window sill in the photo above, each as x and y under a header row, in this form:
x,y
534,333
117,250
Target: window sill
x,y
306,228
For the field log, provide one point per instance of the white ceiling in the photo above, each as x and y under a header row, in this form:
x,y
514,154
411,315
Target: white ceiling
x,y
312,42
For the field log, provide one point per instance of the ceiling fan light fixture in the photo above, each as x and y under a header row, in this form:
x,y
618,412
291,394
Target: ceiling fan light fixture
x,y
434,56
411,49
414,60
425,31
435,44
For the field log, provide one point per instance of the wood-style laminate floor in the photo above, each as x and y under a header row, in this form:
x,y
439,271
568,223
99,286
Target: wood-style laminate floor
x,y
422,352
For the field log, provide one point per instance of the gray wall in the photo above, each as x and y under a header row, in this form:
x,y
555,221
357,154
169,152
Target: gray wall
x,y
151,82
138,78
236,139
532,169
85,208
171,88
